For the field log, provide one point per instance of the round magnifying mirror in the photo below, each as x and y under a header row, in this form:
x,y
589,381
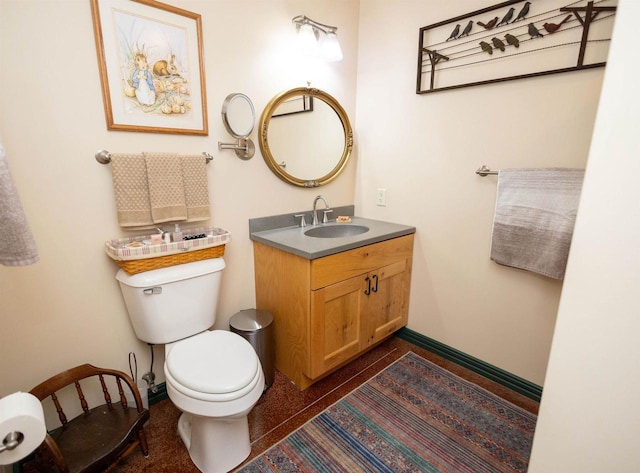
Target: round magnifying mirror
x,y
238,115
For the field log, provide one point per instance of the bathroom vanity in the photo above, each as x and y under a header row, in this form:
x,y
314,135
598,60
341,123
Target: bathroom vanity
x,y
332,298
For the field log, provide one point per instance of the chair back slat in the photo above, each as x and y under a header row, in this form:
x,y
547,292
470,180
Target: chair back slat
x,y
83,401
105,391
61,416
123,399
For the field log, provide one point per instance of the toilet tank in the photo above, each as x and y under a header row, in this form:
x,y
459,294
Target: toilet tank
x,y
169,304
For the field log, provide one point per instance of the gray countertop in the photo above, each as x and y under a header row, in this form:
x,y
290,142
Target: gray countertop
x,y
293,240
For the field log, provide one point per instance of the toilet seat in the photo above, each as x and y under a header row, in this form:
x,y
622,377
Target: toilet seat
x,y
213,366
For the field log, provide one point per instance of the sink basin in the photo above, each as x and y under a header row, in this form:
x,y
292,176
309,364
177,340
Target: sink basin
x,y
336,231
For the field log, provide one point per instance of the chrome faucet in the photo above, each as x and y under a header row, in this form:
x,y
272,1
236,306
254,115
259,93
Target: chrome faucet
x,y
315,212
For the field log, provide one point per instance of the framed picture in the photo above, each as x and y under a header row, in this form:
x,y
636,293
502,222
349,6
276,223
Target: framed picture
x,y
151,69
303,103
515,39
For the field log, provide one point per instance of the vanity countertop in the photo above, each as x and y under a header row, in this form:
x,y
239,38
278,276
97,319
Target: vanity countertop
x,y
292,239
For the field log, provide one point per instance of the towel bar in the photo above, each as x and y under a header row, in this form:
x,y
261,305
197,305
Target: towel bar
x,y
104,157
485,170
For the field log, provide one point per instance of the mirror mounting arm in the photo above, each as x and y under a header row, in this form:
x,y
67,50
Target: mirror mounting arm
x,y
244,147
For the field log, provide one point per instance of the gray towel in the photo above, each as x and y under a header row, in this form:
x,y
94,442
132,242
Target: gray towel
x,y
17,245
534,218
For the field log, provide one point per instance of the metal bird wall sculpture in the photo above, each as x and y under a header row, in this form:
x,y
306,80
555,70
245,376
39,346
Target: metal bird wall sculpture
x,y
507,18
454,33
553,27
523,13
486,47
512,40
467,29
498,44
489,25
533,31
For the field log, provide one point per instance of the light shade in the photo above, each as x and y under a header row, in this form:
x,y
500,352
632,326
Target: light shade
x,y
307,42
317,39
331,49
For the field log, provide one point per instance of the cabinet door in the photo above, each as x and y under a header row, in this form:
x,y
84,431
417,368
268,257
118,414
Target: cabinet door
x,y
336,331
386,307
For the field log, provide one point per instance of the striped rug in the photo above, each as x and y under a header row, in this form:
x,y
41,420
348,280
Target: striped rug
x,y
412,417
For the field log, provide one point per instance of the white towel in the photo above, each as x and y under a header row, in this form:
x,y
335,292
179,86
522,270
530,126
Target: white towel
x,y
534,218
17,245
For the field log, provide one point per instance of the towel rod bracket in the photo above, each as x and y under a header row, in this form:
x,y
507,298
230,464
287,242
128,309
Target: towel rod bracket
x,y
485,170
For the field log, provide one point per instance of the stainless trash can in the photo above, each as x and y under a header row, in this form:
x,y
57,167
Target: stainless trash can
x,y
256,326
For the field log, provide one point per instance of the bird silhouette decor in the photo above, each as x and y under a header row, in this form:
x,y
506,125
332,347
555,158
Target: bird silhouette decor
x,y
523,12
553,27
467,29
495,42
489,25
512,40
454,33
533,31
498,44
507,18
486,47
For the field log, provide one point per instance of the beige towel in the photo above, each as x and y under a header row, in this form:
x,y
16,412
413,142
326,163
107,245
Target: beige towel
x,y
17,245
166,187
131,189
534,218
196,187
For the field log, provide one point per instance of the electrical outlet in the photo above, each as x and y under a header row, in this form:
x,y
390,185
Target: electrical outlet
x,y
381,197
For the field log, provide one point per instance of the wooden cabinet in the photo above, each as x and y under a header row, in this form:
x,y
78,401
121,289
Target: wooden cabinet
x,y
329,310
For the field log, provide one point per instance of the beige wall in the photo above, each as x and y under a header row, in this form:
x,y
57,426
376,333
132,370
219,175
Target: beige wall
x,y
589,419
424,150
67,309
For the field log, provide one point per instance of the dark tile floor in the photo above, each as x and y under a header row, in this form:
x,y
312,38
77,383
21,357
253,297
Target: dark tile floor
x,y
284,408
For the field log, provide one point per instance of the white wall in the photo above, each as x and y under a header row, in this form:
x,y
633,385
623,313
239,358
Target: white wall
x,y
424,150
67,309
588,419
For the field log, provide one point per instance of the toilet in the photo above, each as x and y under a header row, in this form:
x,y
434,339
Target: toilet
x,y
213,376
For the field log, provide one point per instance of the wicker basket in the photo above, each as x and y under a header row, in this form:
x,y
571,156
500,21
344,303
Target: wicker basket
x,y
140,265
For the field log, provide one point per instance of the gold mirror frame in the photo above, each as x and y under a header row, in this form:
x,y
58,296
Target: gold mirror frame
x,y
265,120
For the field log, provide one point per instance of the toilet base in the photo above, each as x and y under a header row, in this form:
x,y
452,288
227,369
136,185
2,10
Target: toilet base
x,y
215,445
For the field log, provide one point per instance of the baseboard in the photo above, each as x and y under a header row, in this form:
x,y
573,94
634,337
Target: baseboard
x,y
159,395
511,381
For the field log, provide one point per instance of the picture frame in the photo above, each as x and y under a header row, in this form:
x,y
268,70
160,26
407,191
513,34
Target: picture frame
x,y
301,104
515,39
151,67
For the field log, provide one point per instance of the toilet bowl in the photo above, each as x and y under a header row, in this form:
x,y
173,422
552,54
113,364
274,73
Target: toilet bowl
x,y
215,379
213,376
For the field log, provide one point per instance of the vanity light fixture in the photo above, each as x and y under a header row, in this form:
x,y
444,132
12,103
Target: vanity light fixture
x,y
317,38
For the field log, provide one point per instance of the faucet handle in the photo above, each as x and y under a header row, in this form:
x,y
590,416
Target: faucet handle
x,y
326,211
303,222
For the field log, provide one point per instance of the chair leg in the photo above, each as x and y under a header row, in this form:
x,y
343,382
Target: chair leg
x,y
144,446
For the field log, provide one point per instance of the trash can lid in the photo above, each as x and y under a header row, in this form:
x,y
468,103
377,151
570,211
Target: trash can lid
x,y
251,320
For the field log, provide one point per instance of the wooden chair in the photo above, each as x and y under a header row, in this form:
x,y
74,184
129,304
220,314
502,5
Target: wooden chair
x,y
99,437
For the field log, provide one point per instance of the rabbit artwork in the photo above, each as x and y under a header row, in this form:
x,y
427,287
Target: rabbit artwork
x,y
142,80
166,68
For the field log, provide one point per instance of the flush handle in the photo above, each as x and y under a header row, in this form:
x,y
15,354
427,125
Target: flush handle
x,y
153,290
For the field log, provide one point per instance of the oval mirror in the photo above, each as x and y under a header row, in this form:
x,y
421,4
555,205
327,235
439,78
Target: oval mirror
x,y
238,115
305,137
